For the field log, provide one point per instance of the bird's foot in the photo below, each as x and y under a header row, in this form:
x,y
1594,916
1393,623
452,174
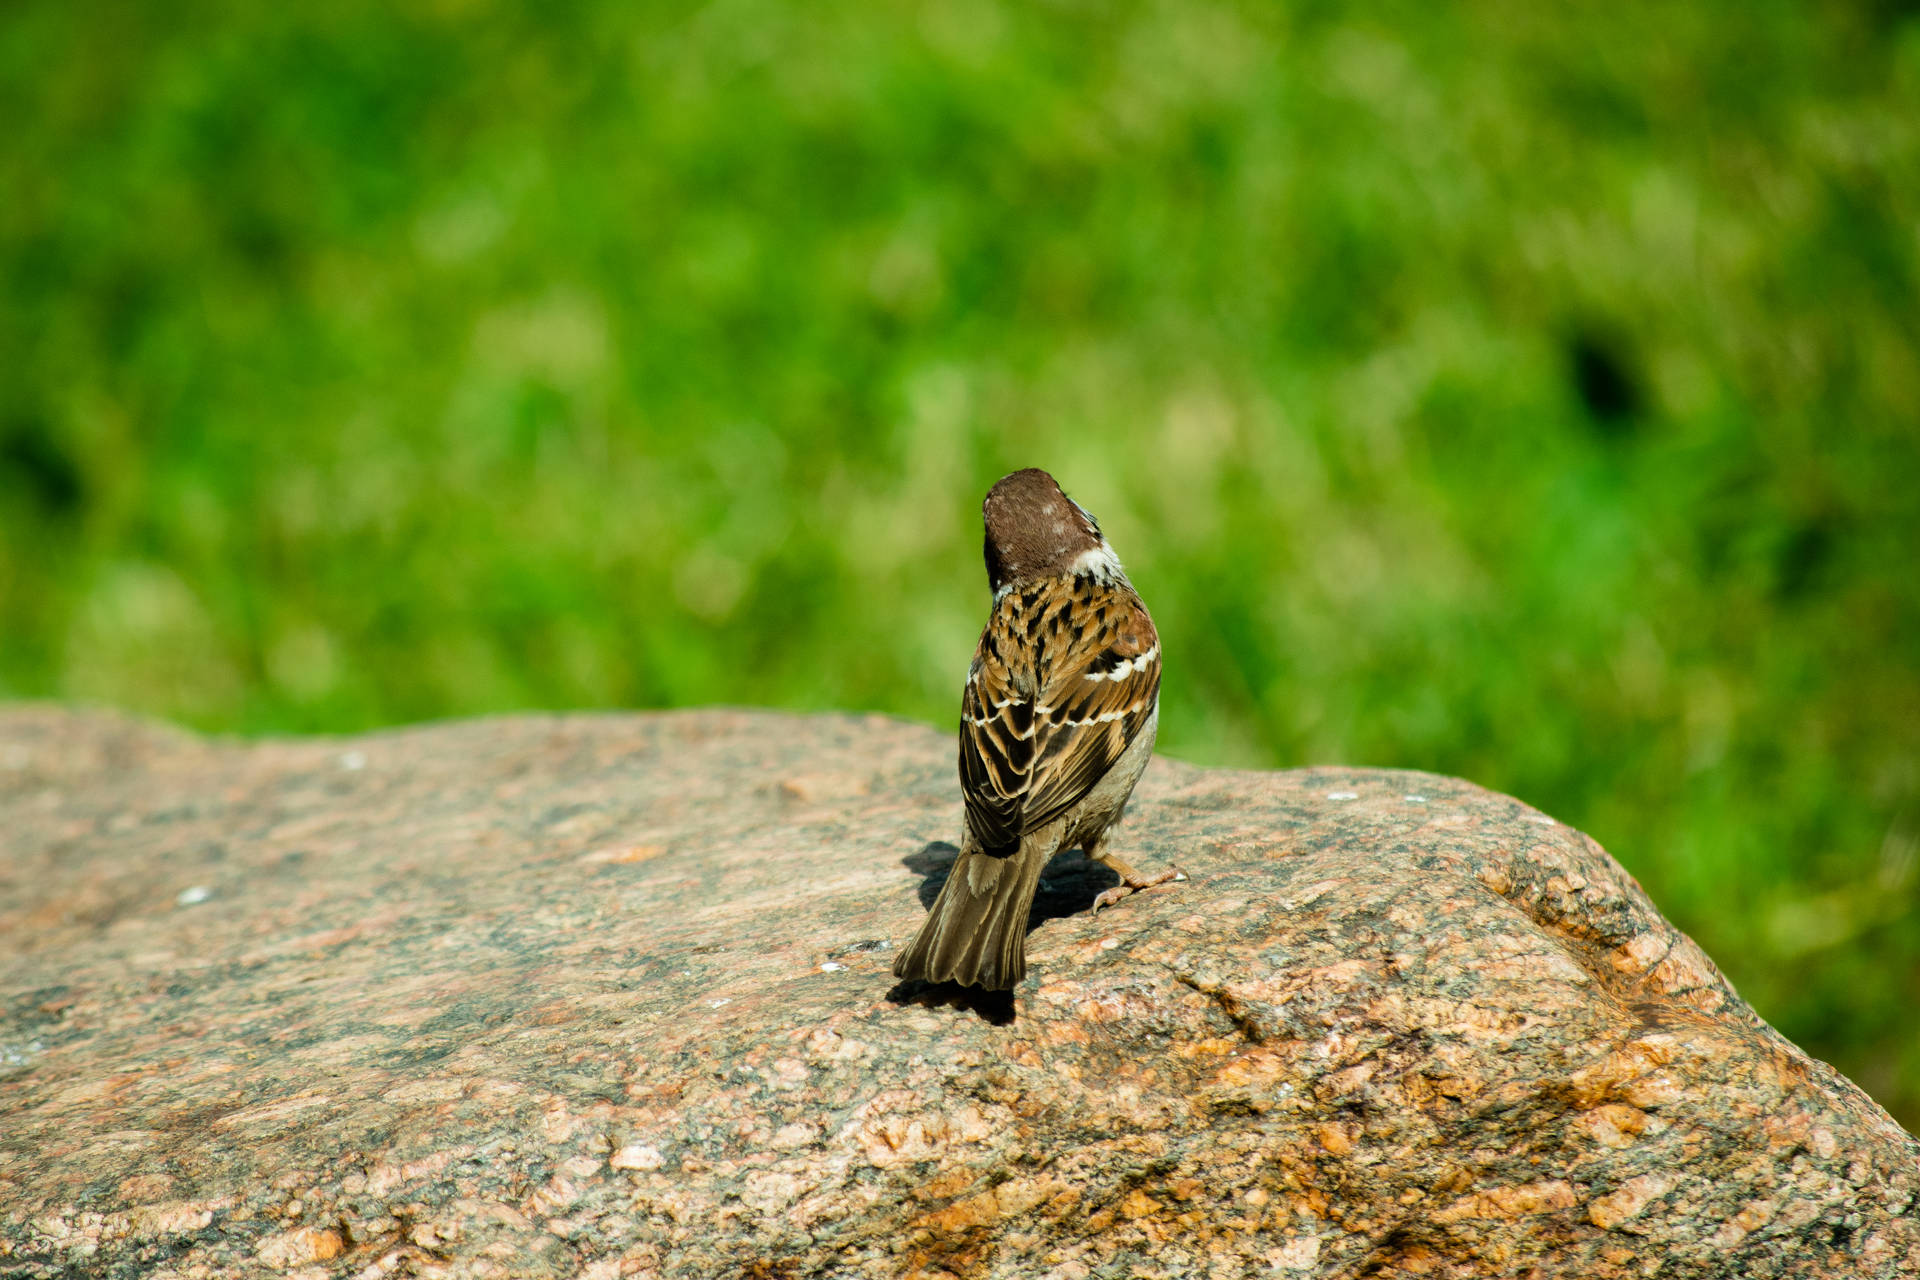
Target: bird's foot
x,y
1131,882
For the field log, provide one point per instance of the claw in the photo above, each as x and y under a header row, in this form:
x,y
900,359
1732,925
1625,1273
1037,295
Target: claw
x,y
1132,884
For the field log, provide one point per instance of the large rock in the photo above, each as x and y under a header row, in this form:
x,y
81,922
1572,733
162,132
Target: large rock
x,y
609,995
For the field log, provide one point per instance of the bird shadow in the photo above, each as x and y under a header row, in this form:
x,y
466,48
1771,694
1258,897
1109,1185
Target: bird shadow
x,y
992,1007
1068,885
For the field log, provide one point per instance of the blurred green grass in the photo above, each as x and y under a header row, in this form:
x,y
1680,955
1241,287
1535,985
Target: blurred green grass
x,y
1526,395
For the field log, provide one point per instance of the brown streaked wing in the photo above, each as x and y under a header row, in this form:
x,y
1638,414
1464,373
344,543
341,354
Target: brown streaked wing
x,y
1090,723
994,759
1024,763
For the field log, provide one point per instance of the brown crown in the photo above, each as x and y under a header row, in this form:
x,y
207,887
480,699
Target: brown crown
x,y
1033,529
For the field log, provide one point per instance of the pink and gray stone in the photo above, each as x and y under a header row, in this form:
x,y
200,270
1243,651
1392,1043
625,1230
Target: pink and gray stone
x,y
609,996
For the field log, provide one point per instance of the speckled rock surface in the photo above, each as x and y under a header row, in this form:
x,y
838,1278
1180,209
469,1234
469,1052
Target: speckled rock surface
x,y
608,995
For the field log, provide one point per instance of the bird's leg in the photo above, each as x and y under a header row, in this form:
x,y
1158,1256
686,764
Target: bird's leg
x,y
1131,881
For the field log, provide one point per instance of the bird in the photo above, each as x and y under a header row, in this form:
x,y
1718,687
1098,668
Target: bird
x,y
1057,722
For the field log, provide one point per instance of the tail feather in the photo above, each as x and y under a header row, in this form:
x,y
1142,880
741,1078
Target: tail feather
x,y
976,933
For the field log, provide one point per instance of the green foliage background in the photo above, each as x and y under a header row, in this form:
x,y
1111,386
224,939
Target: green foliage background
x,y
1522,392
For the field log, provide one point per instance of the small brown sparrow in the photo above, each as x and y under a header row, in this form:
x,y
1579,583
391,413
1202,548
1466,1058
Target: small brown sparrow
x,y
1056,725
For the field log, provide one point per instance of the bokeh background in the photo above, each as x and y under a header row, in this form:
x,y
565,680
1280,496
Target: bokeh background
x,y
1523,392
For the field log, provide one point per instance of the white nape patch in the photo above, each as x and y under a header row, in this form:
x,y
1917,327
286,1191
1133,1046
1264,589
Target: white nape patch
x,y
1006,589
1100,562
